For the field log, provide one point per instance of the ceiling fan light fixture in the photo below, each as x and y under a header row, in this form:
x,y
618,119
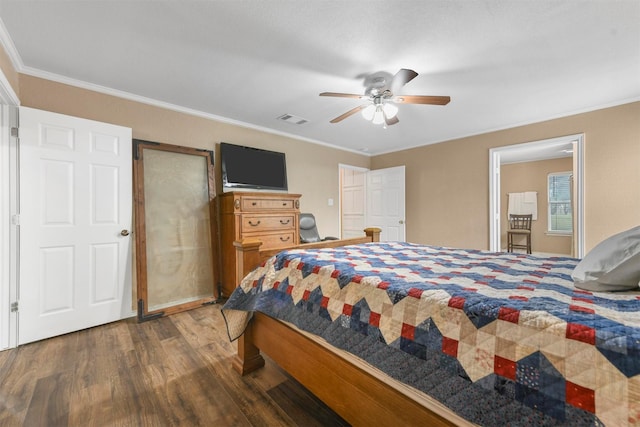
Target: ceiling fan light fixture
x,y
380,91
378,117
369,112
390,110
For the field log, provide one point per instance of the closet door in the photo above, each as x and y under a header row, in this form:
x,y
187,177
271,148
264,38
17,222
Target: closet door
x,y
175,228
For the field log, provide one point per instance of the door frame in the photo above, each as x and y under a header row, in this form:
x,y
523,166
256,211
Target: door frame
x,y
9,210
494,187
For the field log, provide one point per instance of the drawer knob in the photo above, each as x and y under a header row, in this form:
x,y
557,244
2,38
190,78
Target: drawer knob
x,y
254,203
254,225
283,222
282,239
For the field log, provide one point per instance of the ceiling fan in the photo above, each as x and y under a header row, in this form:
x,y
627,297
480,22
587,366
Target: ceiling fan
x,y
381,93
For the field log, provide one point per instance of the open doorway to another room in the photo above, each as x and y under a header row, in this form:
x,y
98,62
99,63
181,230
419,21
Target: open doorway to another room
x,y
537,169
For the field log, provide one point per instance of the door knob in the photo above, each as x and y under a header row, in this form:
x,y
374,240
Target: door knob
x,y
401,222
124,233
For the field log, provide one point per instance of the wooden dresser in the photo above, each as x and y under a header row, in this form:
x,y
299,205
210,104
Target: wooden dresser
x,y
272,218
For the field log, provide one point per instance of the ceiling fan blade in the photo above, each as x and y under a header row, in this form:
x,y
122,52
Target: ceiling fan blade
x,y
391,121
349,113
401,78
343,95
421,99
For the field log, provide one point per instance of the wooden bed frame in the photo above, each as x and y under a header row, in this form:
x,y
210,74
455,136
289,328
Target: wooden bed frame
x,y
358,396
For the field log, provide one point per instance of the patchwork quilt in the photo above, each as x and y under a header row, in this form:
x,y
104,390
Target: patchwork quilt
x,y
500,338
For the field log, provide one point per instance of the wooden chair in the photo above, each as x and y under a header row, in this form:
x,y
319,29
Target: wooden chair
x,y
519,225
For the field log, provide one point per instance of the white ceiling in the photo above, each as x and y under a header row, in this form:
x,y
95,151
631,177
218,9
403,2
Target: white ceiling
x,y
502,62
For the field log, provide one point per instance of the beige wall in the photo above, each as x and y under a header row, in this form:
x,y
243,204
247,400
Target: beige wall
x,y
9,72
448,183
312,169
532,176
447,188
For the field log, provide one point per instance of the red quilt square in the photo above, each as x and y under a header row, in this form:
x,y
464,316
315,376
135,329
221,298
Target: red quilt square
x,y
408,331
581,333
581,309
504,367
415,292
325,302
450,346
347,309
383,285
357,279
316,269
374,319
276,285
580,397
305,295
509,314
335,274
457,302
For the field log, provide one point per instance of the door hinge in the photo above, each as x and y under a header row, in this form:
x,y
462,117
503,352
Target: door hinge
x,y
14,306
14,132
15,219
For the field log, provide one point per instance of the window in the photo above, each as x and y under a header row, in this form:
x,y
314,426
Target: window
x,y
559,197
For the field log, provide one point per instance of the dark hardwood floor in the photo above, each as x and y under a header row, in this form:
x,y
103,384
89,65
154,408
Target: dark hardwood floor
x,y
170,371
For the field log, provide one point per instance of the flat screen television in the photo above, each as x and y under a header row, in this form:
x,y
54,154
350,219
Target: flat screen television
x,y
252,168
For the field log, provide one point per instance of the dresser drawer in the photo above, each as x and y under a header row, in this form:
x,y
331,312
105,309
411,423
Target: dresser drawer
x,y
251,204
277,240
253,223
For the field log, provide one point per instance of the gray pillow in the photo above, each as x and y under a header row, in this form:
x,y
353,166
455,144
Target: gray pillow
x,y
613,265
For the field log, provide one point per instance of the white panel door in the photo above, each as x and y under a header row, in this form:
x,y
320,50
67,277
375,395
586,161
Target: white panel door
x,y
386,202
352,203
75,216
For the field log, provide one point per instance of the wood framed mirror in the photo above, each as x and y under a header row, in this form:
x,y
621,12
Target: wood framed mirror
x,y
175,228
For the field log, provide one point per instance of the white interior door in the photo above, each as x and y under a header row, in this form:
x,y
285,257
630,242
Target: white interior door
x,y
352,201
386,202
75,201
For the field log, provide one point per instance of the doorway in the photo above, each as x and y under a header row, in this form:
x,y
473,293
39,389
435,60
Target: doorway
x,y
532,151
8,215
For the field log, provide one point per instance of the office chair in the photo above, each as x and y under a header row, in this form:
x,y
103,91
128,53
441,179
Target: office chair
x,y
309,230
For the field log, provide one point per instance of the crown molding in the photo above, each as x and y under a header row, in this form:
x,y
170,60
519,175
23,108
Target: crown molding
x,y
7,94
169,106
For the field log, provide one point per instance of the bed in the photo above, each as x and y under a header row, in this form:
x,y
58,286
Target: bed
x,y
397,333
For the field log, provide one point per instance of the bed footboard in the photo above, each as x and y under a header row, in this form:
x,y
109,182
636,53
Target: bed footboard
x,y
356,395
249,255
